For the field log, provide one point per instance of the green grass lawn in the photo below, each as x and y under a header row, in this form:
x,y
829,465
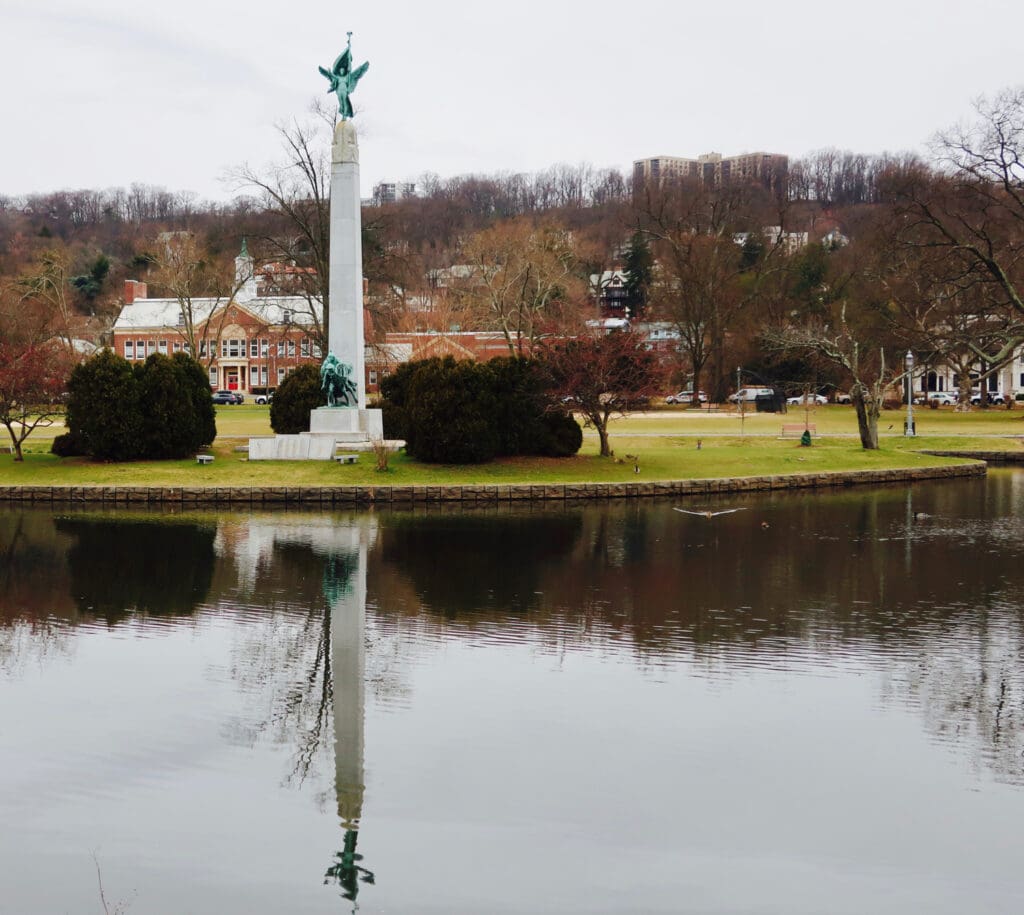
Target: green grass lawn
x,y
664,441
659,458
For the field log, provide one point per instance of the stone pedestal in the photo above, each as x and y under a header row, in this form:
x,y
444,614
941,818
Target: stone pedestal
x,y
301,447
346,424
328,428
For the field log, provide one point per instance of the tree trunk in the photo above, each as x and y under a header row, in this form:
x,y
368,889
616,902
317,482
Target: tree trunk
x,y
602,434
695,400
963,403
15,443
867,418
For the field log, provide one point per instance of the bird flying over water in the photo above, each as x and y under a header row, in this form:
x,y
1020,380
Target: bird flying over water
x,y
708,514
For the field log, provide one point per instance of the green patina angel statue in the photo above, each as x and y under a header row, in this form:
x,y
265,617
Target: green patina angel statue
x,y
343,79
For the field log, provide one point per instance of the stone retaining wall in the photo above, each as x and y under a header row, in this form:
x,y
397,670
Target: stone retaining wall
x,y
469,494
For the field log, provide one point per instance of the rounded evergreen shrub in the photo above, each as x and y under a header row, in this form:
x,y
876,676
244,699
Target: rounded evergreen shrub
x,y
394,390
563,435
168,414
117,412
104,412
450,409
469,412
67,445
294,399
520,403
195,385
395,419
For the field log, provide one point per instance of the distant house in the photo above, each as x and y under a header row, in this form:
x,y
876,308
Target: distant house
x,y
609,292
383,358
775,237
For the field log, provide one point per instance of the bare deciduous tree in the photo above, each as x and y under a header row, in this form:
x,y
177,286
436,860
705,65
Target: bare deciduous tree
x,y
296,193
518,275
971,213
34,367
188,273
871,373
602,375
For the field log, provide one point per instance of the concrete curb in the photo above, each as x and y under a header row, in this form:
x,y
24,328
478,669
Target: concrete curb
x,y
273,497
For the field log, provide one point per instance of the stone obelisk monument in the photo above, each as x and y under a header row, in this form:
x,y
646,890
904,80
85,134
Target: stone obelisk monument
x,y
344,370
344,419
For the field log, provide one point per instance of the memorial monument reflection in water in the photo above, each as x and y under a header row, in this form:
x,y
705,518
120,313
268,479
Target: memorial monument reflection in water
x,y
345,591
288,554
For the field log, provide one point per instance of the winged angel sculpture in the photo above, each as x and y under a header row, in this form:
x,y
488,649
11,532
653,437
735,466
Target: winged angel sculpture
x,y
343,79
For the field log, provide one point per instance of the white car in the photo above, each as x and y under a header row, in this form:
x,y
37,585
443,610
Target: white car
x,y
686,397
816,399
943,398
749,395
993,397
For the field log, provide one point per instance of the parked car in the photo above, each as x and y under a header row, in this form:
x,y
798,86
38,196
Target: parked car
x,y
816,399
686,397
749,395
943,398
264,398
228,397
993,397
843,397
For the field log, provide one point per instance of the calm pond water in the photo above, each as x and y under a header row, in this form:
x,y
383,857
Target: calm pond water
x,y
812,705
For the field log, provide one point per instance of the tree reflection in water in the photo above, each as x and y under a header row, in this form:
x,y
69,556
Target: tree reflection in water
x,y
118,566
474,562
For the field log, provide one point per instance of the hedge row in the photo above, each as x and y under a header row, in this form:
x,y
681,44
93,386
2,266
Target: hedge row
x,y
118,411
471,412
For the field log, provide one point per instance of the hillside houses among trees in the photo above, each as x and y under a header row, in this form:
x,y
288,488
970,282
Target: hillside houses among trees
x,y
925,255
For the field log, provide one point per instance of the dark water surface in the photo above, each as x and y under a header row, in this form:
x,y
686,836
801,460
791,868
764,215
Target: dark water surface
x,y
814,705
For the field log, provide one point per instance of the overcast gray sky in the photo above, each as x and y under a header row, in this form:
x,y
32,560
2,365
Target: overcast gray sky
x,y
108,92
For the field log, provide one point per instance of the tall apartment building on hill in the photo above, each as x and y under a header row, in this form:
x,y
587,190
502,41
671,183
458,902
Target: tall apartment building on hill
x,y
714,169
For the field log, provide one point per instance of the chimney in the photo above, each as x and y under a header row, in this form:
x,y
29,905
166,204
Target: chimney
x,y
134,289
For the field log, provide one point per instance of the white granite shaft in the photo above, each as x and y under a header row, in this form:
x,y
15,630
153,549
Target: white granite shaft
x,y
345,332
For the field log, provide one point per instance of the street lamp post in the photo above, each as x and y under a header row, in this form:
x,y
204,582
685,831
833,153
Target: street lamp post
x,y
908,428
739,398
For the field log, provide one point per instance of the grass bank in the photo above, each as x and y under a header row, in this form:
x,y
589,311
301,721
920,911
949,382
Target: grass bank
x,y
664,442
659,458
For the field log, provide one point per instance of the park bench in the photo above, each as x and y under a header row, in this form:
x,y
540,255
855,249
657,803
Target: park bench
x,y
797,429
204,458
346,458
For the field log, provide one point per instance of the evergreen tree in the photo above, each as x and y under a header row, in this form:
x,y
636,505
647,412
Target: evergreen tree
x,y
639,270
104,409
90,284
295,398
195,385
